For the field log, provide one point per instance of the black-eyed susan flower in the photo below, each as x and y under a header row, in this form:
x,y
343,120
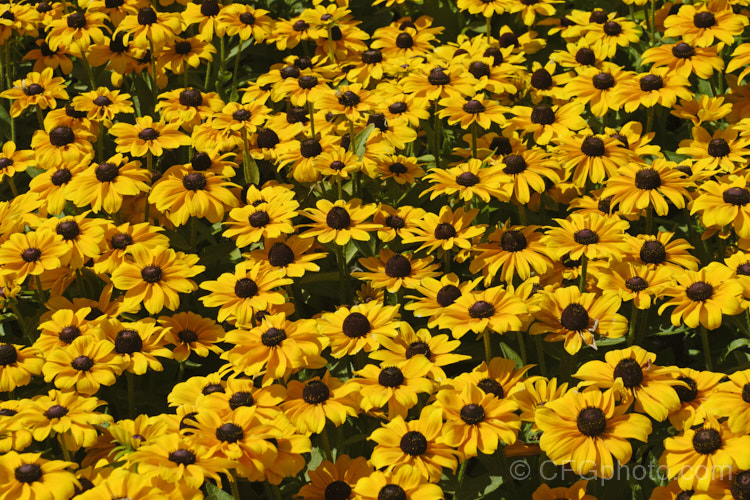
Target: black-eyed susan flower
x,y
591,235
698,455
195,194
477,421
250,288
340,221
534,393
61,145
122,483
703,24
575,318
17,365
405,481
32,253
438,82
438,295
244,21
104,185
339,478
357,328
393,271
447,230
636,187
586,430
633,375
700,385
309,405
702,297
36,89
511,251
394,387
137,344
191,333
546,122
76,31
598,88
661,250
590,158
103,104
156,277
659,86
64,327
530,170
251,223
149,27
577,490
469,180
467,111
396,222
730,399
28,475
146,135
494,309
636,282
685,59
86,365
723,151
408,343
418,443
82,236
612,33
119,239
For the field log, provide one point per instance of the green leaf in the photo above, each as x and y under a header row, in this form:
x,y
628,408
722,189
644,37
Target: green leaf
x,y
213,492
509,353
361,139
734,345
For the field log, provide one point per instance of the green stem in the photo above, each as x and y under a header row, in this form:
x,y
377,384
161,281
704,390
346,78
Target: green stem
x,y
331,52
19,318
351,135
193,231
100,144
460,477
40,290
632,332
653,22
584,267
474,127
447,260
649,120
437,134
507,476
342,274
39,117
150,167
154,88
12,185
326,444
131,393
237,65
276,492
649,219
208,76
65,452
233,485
706,348
487,346
311,112
521,346
488,21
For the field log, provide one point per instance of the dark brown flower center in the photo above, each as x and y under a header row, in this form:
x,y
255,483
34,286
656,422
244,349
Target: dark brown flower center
x,y
290,72
391,376
508,39
683,51
337,490
191,98
259,218
8,354
605,205
418,347
491,386
28,473
151,274
76,20
448,295
273,337
636,284
718,148
651,82
210,8
653,252
586,236
229,433
473,107
355,325
392,492
496,55
397,168
685,495
541,79
514,164
481,309
603,81
121,241
404,41
307,82
612,28
574,317
397,266
395,222
194,181
736,196
242,115
704,20
82,363
146,16
472,414
187,336
280,255
69,334
61,136
699,291
467,179
397,108
300,26
245,288
586,57
128,342
349,99
513,241
687,394
267,138
629,371
413,443
148,134
33,89
239,399
310,148
372,56
542,115
182,456
647,179
598,16
338,218
444,231
315,392
62,176
478,69
591,422
247,18
55,411
68,229
740,488
31,255
106,172
707,441
183,47
438,76
593,146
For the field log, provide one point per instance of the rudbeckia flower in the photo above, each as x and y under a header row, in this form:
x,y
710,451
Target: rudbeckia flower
x,y
694,396
191,333
36,89
393,271
340,477
33,253
511,251
534,393
340,221
104,185
401,481
310,405
586,430
703,24
86,365
469,180
17,365
494,309
147,136
195,194
28,475
577,491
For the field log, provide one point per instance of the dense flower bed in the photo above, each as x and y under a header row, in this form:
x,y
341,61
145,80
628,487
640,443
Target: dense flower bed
x,y
392,251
